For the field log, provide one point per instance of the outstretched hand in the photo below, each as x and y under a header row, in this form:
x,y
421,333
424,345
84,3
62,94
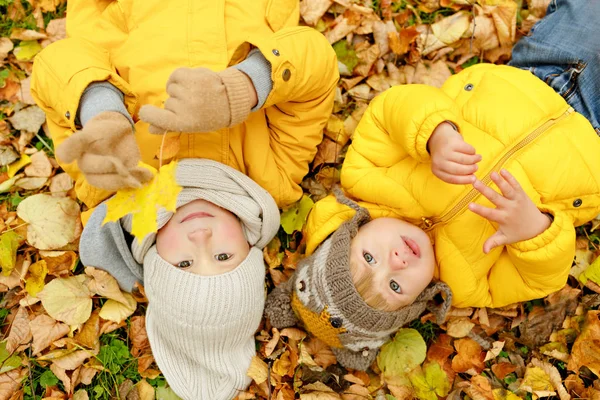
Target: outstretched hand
x,y
452,159
518,218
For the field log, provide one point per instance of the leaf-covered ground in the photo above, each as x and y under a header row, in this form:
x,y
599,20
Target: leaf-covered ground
x,y
68,331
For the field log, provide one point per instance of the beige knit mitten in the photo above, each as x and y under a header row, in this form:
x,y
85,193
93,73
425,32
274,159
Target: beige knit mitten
x,y
106,152
201,101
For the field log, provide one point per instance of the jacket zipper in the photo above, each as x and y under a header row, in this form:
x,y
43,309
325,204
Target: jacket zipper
x,y
428,224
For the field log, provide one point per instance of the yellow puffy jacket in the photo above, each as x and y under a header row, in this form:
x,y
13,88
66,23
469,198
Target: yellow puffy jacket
x,y
136,45
515,121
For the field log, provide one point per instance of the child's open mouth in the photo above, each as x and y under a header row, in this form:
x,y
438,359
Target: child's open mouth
x,y
195,215
413,246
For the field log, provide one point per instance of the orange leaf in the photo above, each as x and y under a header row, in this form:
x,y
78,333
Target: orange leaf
x,y
586,349
502,369
470,355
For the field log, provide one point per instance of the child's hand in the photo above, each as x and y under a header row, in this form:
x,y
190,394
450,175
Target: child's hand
x,y
106,152
517,216
201,101
452,159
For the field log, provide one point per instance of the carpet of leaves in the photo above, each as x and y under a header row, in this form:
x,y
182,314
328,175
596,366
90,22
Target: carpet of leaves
x,y
68,331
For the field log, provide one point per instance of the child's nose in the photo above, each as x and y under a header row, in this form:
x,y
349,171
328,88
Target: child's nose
x,y
398,260
199,235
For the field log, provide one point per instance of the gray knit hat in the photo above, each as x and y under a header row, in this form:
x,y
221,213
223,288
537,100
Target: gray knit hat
x,y
321,293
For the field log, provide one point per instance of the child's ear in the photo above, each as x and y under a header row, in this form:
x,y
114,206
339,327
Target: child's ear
x,y
278,307
434,291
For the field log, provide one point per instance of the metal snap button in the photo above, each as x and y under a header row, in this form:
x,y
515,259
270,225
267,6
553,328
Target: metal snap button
x,y
286,75
67,115
577,202
469,87
336,322
276,52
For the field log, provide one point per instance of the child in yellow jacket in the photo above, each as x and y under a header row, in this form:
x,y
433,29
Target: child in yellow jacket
x,y
239,83
475,188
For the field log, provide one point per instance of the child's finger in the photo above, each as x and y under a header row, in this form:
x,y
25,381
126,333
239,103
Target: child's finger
x,y
491,214
455,179
464,147
496,198
506,189
453,168
511,180
463,158
496,240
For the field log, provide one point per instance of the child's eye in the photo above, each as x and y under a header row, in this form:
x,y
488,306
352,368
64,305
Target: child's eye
x,y
395,287
223,256
368,257
184,264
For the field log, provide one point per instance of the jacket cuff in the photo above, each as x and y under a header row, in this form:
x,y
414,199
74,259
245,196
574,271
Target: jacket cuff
x,y
258,70
559,223
100,97
426,130
81,80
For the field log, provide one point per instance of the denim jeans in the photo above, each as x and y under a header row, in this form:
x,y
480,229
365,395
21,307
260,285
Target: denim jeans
x,y
563,49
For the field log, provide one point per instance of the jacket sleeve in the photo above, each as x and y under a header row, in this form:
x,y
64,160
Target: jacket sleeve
x,y
408,114
540,265
64,69
304,74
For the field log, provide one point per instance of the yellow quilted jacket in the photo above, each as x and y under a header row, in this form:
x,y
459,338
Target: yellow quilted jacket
x,y
515,121
136,45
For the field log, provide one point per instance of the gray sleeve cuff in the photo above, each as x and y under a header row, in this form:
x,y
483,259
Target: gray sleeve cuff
x,y
258,70
99,97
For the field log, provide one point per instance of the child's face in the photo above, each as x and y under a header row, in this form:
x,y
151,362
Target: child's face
x,y
400,257
203,238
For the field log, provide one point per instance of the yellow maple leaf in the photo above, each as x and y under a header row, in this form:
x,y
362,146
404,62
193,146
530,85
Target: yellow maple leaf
x,y
143,203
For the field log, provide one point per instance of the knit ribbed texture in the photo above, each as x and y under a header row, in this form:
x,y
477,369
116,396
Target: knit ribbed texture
x,y
237,87
97,98
323,291
258,69
201,328
228,189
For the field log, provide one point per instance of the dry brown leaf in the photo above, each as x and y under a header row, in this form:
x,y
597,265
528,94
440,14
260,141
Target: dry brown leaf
x,y
555,378
318,391
272,343
401,41
469,355
441,349
56,30
505,19
28,119
320,352
59,262
402,392
89,335
52,222
60,184
586,349
345,24
81,394
67,299
138,336
10,382
312,10
6,46
20,332
45,331
40,165
258,370
355,392
366,59
26,34
61,374
537,381
283,364
502,369
328,152
459,327
483,386
31,183
105,285
169,148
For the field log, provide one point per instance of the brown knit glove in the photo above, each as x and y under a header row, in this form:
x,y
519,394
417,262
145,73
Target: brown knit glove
x,y
106,152
201,101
